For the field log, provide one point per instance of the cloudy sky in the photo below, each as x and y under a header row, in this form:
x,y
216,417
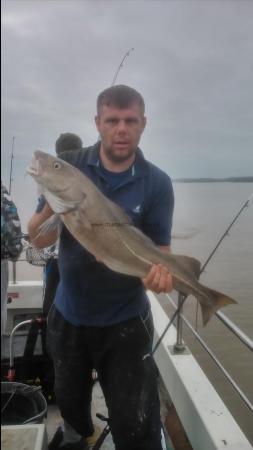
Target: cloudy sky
x,y
192,61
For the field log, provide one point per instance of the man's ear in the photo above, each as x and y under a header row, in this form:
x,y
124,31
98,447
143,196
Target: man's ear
x,y
144,122
97,122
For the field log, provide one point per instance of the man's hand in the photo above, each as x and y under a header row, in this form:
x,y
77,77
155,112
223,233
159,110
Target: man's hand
x,y
158,279
41,241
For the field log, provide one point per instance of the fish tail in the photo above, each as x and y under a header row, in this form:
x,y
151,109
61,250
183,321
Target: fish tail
x,y
216,300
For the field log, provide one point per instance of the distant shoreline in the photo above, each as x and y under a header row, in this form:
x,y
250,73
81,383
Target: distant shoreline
x,y
214,180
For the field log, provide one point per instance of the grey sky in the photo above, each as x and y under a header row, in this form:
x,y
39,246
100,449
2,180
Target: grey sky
x,y
193,63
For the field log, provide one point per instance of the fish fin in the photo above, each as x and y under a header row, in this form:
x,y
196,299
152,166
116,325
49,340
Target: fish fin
x,y
191,265
217,300
50,224
59,206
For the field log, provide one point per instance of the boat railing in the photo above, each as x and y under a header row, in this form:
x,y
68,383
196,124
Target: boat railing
x,y
179,346
34,256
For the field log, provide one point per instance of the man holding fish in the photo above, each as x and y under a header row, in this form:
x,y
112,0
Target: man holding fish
x,y
121,330
116,216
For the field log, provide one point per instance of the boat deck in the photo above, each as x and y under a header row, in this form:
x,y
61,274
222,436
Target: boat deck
x,y
202,418
53,419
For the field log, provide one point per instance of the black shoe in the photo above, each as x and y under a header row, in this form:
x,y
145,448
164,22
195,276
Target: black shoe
x,y
55,443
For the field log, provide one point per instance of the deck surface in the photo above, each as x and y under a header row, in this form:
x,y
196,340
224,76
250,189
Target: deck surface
x,y
53,419
23,437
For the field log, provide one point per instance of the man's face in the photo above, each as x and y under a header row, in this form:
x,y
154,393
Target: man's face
x,y
120,130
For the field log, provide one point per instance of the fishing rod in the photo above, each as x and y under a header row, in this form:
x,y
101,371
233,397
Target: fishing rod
x,y
184,297
117,72
12,156
121,65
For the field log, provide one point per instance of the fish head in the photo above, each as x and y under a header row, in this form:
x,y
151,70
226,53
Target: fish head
x,y
56,178
50,172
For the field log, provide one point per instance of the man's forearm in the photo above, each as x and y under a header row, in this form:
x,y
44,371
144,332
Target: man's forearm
x,y
41,240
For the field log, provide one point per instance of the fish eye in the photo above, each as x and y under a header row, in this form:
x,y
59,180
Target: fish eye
x,y
57,165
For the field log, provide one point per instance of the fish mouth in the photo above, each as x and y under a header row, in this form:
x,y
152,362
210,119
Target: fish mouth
x,y
34,168
32,171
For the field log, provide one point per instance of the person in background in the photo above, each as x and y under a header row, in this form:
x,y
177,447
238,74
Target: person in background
x,y
11,246
65,142
101,318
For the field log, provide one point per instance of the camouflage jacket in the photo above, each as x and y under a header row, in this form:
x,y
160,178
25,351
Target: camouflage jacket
x,y
11,245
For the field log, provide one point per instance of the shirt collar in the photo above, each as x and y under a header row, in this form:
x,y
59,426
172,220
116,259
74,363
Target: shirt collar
x,y
139,168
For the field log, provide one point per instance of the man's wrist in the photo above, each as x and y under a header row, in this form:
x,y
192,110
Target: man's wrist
x,y
47,211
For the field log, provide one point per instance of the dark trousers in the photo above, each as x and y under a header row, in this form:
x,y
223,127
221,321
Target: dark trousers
x,y
51,282
127,373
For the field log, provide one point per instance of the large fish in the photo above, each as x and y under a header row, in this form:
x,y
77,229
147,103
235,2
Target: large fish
x,y
105,230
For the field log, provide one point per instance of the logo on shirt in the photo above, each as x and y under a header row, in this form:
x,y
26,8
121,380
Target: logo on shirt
x,y
137,209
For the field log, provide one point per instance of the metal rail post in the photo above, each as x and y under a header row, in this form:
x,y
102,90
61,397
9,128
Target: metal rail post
x,y
179,346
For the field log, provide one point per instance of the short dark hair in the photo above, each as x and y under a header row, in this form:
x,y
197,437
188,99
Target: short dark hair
x,y
121,96
67,141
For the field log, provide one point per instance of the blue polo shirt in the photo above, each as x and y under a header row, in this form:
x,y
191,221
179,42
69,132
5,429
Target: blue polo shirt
x,y
89,293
